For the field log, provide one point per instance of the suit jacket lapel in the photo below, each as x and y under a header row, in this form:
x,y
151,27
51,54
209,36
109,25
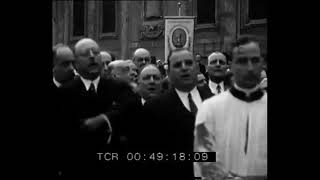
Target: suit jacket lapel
x,y
205,92
81,87
176,101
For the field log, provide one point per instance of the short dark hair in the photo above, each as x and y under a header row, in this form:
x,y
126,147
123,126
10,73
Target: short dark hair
x,y
242,40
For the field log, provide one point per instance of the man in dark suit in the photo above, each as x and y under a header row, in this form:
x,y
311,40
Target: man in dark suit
x,y
217,71
62,71
148,87
94,104
171,116
202,67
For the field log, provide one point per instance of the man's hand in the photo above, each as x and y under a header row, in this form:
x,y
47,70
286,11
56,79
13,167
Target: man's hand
x,y
94,123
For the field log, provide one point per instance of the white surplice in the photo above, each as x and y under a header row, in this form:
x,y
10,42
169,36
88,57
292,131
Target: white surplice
x,y
221,126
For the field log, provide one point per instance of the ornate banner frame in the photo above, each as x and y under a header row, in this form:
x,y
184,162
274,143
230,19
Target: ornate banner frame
x,y
179,33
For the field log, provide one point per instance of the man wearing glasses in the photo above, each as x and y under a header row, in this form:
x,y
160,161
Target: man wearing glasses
x,y
90,103
141,57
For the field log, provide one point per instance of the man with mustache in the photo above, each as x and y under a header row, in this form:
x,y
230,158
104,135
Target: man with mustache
x,y
90,116
217,70
141,57
234,124
171,116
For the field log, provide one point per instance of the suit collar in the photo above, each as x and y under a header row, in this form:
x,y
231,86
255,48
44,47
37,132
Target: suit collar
x,y
174,97
204,92
56,83
88,82
213,86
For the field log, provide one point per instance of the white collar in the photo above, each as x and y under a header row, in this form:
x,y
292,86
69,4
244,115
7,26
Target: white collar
x,y
213,86
247,91
193,91
184,97
88,82
56,82
143,101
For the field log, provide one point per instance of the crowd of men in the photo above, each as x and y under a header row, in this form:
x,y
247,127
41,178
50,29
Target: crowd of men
x,y
103,104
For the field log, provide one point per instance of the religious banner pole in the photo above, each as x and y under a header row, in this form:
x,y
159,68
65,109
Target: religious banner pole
x,y
179,7
179,32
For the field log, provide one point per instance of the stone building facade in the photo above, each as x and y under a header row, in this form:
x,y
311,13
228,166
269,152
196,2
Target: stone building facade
x,y
122,26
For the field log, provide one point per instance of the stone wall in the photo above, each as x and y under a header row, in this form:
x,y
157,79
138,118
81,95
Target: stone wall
x,y
135,30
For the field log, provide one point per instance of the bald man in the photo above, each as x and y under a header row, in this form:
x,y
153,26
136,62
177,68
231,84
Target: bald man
x,y
106,59
141,57
119,70
92,106
63,59
149,82
217,69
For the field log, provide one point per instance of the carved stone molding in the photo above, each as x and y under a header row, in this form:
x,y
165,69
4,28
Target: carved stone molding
x,y
152,30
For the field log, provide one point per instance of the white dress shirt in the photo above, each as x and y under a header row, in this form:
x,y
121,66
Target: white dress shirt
x,y
213,86
195,97
95,82
88,82
56,82
143,101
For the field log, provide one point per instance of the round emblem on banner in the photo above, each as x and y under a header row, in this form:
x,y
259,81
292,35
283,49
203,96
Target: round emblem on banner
x,y
179,38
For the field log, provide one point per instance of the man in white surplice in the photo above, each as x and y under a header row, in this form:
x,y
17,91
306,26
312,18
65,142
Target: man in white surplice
x,y
234,123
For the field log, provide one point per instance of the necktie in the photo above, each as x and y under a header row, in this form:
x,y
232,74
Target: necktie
x,y
218,88
92,90
192,105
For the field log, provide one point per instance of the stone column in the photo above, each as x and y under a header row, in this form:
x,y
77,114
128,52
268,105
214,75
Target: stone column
x,y
91,19
66,17
227,22
60,21
124,29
